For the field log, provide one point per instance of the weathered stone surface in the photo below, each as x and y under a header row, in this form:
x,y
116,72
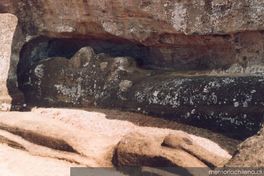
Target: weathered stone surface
x,y
139,19
250,152
98,79
183,53
141,150
81,138
210,36
4,6
14,162
218,23
8,25
183,142
195,34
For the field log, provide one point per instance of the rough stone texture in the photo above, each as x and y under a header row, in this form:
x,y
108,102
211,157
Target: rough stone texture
x,y
195,34
8,25
139,19
210,36
98,79
250,152
142,150
184,53
182,142
87,139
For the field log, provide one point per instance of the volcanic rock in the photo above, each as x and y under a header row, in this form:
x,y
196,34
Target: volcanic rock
x,y
250,152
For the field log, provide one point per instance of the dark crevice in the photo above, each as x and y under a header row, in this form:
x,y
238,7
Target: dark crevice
x,y
174,52
44,47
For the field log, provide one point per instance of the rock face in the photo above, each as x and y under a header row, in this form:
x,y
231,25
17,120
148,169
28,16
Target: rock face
x,y
80,138
250,152
208,17
199,36
195,34
98,79
219,33
119,17
197,61
8,24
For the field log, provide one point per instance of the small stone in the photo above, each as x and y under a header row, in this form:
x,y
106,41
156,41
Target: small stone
x,y
103,65
236,104
155,94
245,104
125,85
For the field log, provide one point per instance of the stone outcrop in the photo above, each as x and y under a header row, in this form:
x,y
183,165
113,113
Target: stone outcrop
x,y
183,35
8,25
138,20
250,152
140,150
99,79
81,138
196,61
